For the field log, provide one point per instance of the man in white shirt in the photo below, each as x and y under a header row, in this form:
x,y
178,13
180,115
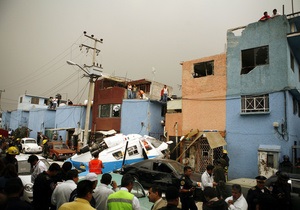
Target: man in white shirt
x,y
37,166
62,191
207,179
102,191
237,200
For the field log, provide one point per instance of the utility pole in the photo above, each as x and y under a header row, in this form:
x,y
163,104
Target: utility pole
x,y
93,74
0,97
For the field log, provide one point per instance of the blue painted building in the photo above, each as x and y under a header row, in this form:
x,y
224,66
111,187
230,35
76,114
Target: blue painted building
x,y
263,99
142,117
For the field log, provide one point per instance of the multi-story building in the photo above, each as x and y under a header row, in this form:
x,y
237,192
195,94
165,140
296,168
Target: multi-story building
x,y
263,99
201,113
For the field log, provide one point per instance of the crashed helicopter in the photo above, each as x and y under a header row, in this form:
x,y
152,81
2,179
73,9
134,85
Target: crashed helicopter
x,y
118,150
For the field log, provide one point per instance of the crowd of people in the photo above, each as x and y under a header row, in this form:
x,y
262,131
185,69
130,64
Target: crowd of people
x,y
134,93
58,187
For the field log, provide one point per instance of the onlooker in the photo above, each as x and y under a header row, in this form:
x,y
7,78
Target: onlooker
x,y
172,196
220,179
94,179
275,13
84,196
96,165
37,166
45,148
62,175
129,91
70,102
259,197
286,164
281,191
62,191
10,156
237,200
207,179
165,93
134,90
7,173
102,192
265,17
14,190
123,199
154,196
213,202
43,187
187,190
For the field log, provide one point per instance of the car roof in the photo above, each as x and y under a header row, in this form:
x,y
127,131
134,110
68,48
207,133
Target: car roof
x,y
21,157
28,138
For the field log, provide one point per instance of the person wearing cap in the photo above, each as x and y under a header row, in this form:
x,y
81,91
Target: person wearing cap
x,y
172,197
10,157
94,179
84,196
37,166
187,190
281,191
62,191
45,148
103,191
259,197
123,199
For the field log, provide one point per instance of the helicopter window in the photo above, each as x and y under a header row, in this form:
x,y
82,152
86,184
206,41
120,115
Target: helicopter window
x,y
147,146
118,155
132,150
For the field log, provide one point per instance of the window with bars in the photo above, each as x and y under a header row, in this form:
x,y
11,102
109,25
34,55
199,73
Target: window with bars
x,y
109,110
255,103
35,100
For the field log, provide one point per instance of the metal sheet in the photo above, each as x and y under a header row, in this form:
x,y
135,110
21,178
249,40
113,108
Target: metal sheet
x,y
215,139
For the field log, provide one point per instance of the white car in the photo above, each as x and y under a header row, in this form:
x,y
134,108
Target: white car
x,y
24,172
29,145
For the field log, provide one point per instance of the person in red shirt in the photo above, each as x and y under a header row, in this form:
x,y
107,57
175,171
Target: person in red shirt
x,y
265,17
96,165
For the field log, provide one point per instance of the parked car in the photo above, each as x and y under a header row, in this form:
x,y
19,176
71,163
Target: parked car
x,y
137,189
164,172
29,145
24,172
60,151
247,183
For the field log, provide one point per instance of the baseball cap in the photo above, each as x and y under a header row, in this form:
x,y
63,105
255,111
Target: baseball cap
x,y
92,177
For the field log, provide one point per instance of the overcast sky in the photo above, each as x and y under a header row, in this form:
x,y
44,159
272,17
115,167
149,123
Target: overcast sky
x,y
38,36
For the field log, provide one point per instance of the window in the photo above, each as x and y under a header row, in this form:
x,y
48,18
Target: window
x,y
203,69
270,160
110,110
34,100
255,103
295,106
292,61
299,109
118,155
21,100
254,57
132,150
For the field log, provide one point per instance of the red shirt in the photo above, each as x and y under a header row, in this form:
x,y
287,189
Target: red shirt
x,y
96,166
